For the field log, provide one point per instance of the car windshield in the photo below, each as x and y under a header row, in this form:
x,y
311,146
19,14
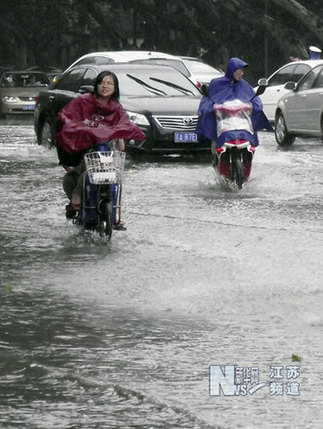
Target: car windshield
x,y
150,88
176,64
309,79
173,85
161,83
22,80
200,67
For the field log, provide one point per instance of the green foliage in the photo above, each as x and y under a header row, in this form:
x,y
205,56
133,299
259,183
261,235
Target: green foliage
x,y
296,358
262,32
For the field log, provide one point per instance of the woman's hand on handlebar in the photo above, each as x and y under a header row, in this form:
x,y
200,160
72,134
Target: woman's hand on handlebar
x,y
121,145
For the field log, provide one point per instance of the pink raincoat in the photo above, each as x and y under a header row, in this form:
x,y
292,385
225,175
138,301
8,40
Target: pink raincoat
x,y
85,121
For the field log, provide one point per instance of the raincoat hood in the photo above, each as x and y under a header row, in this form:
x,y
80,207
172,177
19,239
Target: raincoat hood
x,y
226,88
234,64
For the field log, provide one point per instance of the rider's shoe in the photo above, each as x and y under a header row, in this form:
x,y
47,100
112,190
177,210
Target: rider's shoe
x,y
120,226
70,212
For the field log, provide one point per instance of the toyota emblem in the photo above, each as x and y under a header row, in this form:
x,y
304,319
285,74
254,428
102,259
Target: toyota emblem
x,y
188,120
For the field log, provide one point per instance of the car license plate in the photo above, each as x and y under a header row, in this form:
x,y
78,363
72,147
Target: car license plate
x,y
29,107
185,137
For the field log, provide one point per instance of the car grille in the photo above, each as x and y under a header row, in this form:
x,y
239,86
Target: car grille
x,y
27,98
185,123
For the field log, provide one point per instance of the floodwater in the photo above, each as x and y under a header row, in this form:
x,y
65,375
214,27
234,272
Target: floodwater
x,y
123,335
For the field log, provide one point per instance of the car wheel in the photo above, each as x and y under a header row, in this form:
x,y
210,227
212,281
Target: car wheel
x,y
47,136
283,138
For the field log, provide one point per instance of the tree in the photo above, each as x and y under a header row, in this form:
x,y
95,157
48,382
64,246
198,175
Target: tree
x,y
262,32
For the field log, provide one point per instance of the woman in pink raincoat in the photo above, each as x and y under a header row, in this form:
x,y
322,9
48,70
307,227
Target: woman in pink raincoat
x,y
86,120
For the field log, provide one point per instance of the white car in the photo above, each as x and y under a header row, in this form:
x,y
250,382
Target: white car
x,y
291,72
300,111
195,69
111,57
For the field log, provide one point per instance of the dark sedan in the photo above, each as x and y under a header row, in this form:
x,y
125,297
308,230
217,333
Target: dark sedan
x,y
159,99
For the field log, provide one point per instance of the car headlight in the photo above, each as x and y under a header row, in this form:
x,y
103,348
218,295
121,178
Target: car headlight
x,y
137,118
10,99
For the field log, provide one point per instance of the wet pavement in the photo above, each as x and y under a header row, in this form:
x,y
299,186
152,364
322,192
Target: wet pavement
x,y
122,335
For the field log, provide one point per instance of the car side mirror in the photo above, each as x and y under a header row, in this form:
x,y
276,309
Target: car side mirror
x,y
290,85
262,85
86,88
263,82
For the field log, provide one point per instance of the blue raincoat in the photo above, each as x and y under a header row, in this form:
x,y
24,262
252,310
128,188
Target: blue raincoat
x,y
227,89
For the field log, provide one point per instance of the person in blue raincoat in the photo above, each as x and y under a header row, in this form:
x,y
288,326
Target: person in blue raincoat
x,y
232,86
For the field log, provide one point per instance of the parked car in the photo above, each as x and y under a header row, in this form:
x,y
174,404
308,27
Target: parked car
x,y
159,99
300,111
195,69
291,72
18,90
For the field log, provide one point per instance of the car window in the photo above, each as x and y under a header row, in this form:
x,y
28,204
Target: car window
x,y
71,81
282,76
103,60
299,72
98,60
319,80
176,64
200,67
24,80
89,77
309,79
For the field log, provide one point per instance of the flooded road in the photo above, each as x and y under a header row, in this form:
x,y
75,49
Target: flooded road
x,y
123,335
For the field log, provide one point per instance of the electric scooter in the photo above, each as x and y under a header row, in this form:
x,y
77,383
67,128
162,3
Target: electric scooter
x,y
101,195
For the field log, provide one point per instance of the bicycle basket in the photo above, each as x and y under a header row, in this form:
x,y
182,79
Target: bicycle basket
x,y
105,167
